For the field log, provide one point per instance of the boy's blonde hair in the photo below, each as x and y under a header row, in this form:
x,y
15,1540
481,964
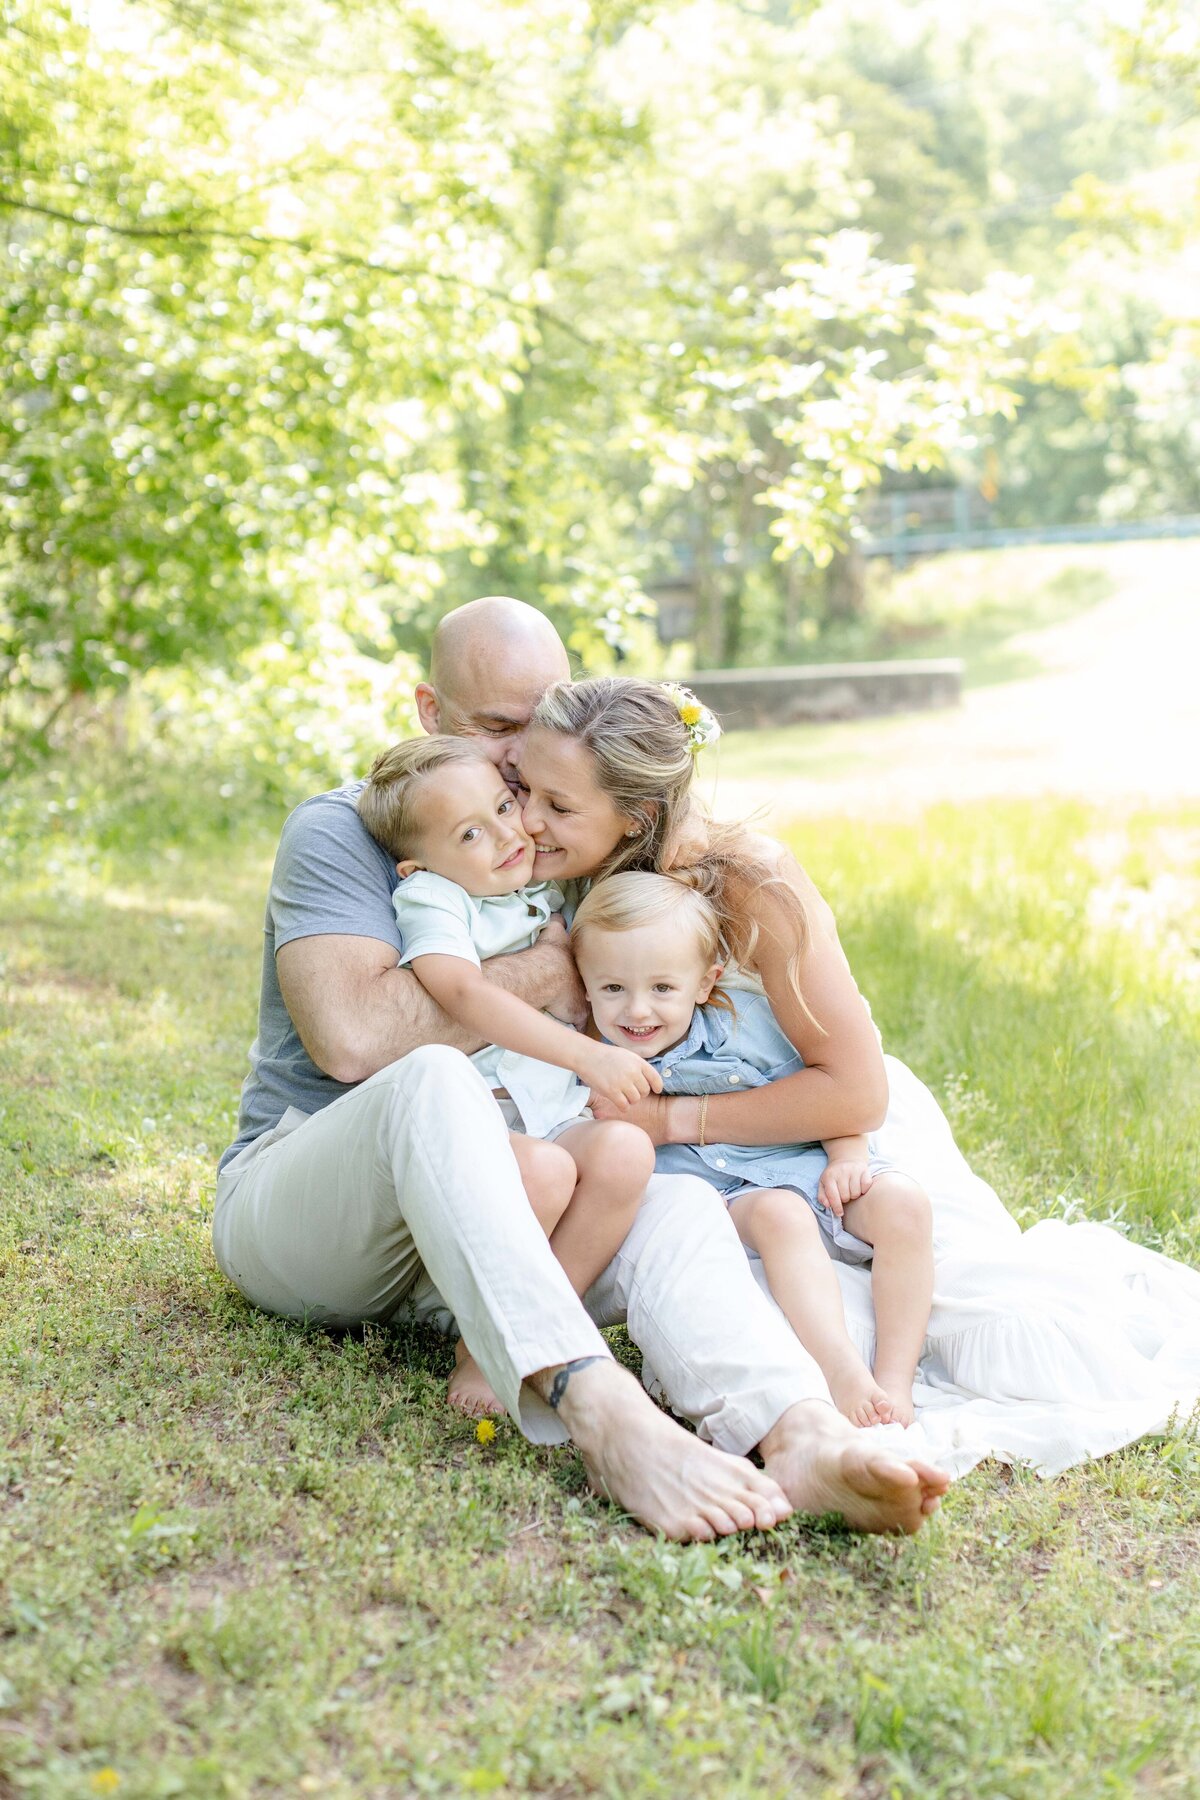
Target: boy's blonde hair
x,y
642,760
387,805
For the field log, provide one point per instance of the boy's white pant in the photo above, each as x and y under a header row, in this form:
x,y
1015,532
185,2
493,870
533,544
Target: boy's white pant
x,y
402,1199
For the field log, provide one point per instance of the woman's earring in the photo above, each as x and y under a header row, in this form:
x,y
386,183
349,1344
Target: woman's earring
x,y
634,831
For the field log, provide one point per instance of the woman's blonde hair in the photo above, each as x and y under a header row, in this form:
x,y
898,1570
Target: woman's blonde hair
x,y
642,760
387,805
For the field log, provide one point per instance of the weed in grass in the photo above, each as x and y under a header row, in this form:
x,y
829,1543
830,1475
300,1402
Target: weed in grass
x,y
758,1662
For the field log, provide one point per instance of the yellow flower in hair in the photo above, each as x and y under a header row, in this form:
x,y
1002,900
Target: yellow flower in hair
x,y
702,726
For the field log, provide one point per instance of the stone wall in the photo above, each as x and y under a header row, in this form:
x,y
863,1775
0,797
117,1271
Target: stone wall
x,y
746,699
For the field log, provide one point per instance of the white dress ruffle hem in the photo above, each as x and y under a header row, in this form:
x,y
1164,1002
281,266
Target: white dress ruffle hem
x,y
1047,1347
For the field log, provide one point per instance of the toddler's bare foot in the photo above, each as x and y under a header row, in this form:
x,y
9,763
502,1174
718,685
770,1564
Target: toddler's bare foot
x,y
899,1396
856,1393
469,1389
669,1480
822,1465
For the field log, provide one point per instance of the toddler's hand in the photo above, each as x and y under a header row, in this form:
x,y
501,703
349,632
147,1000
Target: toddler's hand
x,y
621,1076
842,1182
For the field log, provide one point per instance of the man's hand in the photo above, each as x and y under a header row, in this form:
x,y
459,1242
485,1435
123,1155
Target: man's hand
x,y
620,1076
688,843
569,1002
842,1181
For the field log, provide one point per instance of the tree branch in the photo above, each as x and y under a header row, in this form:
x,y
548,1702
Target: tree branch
x,y
260,241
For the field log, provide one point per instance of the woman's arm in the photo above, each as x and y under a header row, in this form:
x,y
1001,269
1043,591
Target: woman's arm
x,y
842,1089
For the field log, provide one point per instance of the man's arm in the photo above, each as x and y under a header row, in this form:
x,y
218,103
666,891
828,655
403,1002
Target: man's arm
x,y
356,1011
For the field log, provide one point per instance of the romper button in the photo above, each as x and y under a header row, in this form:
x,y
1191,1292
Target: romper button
x,y
668,1073
720,1162
733,1080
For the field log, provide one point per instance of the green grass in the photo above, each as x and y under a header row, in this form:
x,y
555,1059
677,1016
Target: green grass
x,y
244,1559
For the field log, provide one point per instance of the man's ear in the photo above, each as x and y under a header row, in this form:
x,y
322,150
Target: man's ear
x,y
408,867
711,978
429,709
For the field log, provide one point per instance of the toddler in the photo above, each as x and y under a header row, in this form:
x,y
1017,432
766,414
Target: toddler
x,y
649,951
440,807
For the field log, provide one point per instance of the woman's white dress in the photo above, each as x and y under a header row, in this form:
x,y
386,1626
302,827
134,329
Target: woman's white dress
x,y
1045,1347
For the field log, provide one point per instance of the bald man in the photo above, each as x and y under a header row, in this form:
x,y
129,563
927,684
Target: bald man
x,y
489,665
372,1179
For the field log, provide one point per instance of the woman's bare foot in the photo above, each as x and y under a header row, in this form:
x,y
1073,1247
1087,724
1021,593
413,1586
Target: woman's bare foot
x,y
469,1389
856,1393
670,1481
899,1396
823,1466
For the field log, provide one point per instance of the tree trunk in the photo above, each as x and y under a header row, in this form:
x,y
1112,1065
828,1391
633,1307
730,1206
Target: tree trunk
x,y
710,612
846,585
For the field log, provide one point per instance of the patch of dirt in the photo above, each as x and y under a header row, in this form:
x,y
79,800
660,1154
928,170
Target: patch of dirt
x,y
196,1591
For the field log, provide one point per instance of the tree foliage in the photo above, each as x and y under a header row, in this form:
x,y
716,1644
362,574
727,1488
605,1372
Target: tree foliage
x,y
316,320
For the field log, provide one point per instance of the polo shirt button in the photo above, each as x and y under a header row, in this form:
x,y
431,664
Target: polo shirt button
x,y
720,1162
733,1080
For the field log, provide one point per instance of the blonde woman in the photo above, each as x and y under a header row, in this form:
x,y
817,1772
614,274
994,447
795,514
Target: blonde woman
x,y
1049,1346
607,772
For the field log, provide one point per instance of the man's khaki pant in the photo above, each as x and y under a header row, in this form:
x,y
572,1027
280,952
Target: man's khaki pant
x,y
402,1200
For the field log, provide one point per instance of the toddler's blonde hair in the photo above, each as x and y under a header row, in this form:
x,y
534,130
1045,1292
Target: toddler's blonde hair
x,y
387,805
639,897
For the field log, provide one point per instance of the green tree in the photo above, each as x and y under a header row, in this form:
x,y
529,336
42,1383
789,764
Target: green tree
x,y
315,323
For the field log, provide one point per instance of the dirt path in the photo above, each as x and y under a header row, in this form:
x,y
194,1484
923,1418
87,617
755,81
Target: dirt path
x,y
1114,714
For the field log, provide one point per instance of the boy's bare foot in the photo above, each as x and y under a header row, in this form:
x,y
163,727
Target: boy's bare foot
x,y
469,1389
899,1397
856,1393
823,1466
670,1481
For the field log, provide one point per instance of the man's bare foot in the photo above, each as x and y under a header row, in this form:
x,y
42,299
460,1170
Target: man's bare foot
x,y
899,1397
856,1393
823,1466
670,1481
469,1389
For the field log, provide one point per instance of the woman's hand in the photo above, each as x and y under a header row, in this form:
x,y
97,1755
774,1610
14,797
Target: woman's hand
x,y
653,1115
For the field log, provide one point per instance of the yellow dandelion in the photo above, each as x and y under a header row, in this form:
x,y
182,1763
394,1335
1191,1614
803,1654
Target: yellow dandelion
x,y
691,715
485,1432
105,1781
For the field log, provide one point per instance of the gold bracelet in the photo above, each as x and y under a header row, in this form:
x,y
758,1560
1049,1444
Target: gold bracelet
x,y
702,1117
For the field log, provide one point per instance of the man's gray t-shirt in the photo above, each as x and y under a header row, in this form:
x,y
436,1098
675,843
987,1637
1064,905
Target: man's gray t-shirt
x,y
330,877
